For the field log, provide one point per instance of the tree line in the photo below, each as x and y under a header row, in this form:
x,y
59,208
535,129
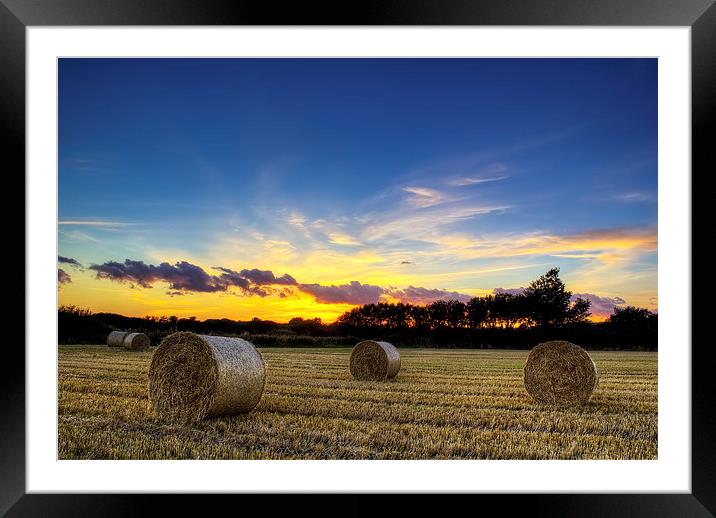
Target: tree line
x,y
544,311
545,303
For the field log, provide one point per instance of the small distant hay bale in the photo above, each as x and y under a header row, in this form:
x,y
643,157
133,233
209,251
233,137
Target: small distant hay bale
x,y
374,361
116,338
193,377
560,373
136,342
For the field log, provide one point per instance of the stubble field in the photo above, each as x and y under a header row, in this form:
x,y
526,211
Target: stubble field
x,y
444,404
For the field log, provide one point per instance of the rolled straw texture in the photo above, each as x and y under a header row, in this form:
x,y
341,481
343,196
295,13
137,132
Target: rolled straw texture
x,y
193,377
136,342
116,338
560,373
374,361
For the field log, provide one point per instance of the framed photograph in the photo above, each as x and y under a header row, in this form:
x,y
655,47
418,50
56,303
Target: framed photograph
x,y
418,251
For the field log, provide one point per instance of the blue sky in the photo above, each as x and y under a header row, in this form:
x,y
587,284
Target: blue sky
x,y
424,168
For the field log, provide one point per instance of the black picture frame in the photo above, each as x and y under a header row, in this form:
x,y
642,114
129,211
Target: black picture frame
x,y
700,15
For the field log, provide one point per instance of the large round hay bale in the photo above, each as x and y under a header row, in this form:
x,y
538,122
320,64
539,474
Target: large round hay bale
x,y
192,377
560,373
374,361
136,342
116,338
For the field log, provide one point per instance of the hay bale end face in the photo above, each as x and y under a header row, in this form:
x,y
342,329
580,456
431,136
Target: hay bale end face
x,y
374,361
136,342
560,373
116,338
193,377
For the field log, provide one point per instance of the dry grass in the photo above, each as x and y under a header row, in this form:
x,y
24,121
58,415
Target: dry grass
x,y
443,405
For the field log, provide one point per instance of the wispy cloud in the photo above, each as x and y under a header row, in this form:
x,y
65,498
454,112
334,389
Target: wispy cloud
x,y
473,180
76,235
493,161
340,238
423,197
95,223
633,197
423,225
492,173
600,244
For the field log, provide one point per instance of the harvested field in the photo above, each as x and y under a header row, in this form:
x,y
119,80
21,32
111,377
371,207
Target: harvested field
x,y
443,404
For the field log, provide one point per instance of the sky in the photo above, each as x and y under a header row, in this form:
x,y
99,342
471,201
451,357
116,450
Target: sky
x,y
275,188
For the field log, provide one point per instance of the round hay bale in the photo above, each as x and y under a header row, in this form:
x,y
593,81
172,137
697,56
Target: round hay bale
x,y
136,342
192,377
374,361
116,338
560,373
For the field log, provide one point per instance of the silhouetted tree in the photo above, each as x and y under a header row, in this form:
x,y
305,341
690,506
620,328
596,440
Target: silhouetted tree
x,y
438,313
632,319
419,317
548,302
505,309
477,312
500,320
456,317
579,311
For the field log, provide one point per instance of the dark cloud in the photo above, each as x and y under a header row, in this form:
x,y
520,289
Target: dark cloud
x,y
351,293
266,277
183,277
63,277
509,291
231,277
180,276
405,262
417,295
600,306
186,277
254,282
69,260
189,277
